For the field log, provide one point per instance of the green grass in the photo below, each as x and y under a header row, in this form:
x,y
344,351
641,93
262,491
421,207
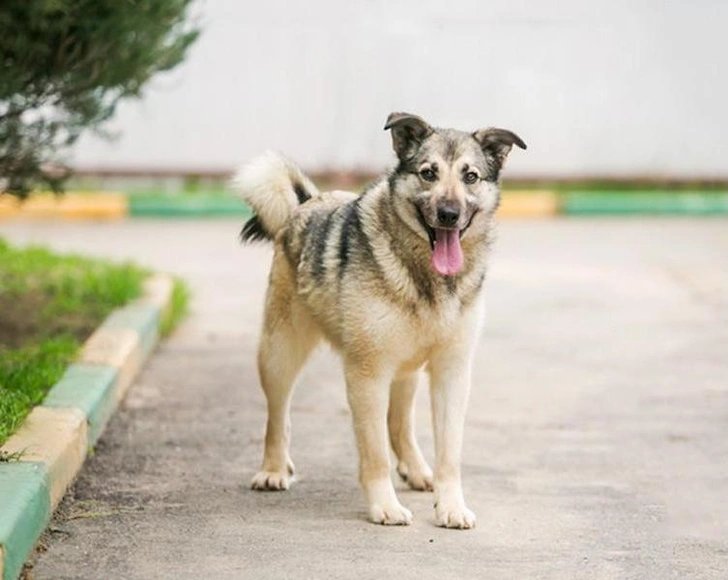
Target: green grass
x,y
177,310
49,305
70,284
26,374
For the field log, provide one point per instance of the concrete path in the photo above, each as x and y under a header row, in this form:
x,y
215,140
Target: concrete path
x,y
596,445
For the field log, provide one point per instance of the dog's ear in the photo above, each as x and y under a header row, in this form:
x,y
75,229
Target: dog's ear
x,y
497,143
408,132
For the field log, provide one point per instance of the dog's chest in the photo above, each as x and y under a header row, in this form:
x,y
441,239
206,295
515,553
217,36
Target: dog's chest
x,y
411,336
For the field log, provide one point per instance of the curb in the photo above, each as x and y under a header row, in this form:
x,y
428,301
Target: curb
x,y
687,203
200,205
114,206
540,203
55,437
69,206
514,203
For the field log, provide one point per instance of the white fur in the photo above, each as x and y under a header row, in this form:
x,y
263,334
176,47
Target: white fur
x,y
266,185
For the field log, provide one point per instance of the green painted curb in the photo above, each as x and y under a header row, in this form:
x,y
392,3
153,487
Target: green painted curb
x,y
89,388
143,318
25,502
644,203
187,206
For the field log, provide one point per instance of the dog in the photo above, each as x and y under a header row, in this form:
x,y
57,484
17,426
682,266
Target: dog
x,y
393,280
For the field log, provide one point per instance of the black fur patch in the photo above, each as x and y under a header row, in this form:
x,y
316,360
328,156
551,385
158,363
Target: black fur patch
x,y
301,194
348,228
321,237
253,231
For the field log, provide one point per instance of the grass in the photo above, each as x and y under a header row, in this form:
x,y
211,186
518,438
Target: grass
x,y
67,287
26,374
50,304
178,308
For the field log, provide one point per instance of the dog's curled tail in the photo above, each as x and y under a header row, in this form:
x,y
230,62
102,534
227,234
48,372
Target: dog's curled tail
x,y
273,187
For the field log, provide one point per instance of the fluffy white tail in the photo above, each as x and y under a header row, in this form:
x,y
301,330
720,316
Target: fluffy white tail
x,y
273,187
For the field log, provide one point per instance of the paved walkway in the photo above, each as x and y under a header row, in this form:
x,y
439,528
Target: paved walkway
x,y
596,446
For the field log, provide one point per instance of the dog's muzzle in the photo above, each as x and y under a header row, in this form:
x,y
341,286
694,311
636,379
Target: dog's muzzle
x,y
448,215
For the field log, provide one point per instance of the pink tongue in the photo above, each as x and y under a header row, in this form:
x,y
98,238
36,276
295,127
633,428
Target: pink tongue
x,y
447,257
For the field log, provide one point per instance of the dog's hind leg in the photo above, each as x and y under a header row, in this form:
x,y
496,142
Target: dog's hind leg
x,y
289,336
411,465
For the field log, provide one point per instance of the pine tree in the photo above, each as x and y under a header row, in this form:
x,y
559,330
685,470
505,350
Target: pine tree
x,y
64,67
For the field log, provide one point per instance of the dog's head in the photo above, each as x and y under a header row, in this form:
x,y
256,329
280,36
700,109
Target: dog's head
x,y
445,180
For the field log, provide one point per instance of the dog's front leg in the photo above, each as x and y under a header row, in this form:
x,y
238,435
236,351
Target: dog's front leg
x,y
449,391
368,394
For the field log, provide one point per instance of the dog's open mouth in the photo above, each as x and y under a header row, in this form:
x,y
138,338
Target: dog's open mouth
x,y
447,253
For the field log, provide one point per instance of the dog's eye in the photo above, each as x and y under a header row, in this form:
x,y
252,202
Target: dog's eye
x,y
470,177
428,174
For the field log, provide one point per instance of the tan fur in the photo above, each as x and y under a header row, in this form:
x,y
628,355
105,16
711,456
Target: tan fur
x,y
355,271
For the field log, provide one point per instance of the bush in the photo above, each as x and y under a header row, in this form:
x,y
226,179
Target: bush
x,y
65,65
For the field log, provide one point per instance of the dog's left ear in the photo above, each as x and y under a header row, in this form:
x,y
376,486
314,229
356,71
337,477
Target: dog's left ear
x,y
497,143
408,132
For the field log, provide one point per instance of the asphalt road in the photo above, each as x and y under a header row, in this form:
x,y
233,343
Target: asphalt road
x,y
596,445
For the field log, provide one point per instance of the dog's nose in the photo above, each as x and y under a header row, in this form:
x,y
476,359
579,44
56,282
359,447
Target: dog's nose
x,y
448,215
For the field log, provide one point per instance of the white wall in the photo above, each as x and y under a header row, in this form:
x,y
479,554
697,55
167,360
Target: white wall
x,y
594,87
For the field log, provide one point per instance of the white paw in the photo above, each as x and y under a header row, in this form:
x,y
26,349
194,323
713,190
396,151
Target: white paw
x,y
454,515
271,480
393,514
419,479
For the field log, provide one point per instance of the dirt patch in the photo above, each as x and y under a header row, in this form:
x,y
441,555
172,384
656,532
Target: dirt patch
x,y
23,320
20,317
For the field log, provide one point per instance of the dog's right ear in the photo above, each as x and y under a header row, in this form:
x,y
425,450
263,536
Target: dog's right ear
x,y
408,132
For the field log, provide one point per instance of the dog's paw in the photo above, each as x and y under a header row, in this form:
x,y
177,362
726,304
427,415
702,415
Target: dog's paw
x,y
272,480
454,516
393,514
419,479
